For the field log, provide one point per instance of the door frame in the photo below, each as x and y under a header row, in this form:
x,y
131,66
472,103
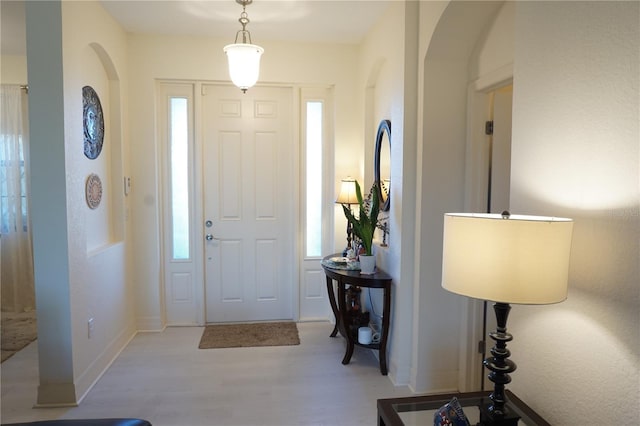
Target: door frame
x,y
476,182
310,274
164,87
198,170
198,188
215,95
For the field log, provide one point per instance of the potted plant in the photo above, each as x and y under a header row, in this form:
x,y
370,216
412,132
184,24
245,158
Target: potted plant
x,y
365,224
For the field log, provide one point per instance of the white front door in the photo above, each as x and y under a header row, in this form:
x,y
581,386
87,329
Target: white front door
x,y
249,199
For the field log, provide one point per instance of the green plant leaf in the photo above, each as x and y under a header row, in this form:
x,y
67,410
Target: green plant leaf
x,y
364,225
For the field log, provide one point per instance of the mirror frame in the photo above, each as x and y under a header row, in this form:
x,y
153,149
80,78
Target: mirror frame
x,y
384,126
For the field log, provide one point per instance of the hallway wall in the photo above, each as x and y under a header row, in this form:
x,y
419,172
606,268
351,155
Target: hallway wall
x,y
576,153
81,255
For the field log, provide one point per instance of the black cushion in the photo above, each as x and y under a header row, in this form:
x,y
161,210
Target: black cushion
x,y
85,422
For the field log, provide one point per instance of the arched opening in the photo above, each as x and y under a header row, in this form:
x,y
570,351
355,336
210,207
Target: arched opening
x,y
441,317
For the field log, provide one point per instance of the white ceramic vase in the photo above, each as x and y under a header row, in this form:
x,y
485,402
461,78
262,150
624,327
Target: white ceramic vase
x,y
367,264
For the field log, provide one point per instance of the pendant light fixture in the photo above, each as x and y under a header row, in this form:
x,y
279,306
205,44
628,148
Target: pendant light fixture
x,y
244,57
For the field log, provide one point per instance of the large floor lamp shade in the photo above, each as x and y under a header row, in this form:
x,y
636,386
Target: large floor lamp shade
x,y
505,259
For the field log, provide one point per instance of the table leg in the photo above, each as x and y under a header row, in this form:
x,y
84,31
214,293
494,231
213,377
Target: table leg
x,y
334,307
345,327
385,330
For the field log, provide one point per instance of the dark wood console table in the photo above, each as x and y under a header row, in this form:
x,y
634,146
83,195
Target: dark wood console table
x,y
343,278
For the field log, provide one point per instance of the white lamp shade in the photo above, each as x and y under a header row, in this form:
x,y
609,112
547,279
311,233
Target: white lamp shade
x,y
347,192
521,260
244,63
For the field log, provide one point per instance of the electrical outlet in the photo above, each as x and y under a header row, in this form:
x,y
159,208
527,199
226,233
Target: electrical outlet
x,y
90,325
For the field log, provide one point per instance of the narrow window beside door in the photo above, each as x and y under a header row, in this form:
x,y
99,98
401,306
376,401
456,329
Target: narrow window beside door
x,y
179,172
313,179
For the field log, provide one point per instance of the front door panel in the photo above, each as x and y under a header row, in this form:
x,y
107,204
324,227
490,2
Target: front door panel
x,y
249,199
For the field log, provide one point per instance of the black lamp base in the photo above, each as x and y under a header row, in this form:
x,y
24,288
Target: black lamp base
x,y
497,413
349,232
487,418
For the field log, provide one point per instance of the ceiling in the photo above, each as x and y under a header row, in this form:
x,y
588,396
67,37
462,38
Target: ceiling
x,y
333,21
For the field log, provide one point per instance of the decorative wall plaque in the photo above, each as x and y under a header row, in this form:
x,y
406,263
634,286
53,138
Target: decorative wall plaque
x,y
93,191
92,122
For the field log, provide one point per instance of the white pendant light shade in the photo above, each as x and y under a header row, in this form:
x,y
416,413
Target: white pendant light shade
x,y
244,64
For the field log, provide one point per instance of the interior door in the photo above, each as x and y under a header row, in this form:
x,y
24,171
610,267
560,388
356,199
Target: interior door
x,y
500,104
501,150
249,203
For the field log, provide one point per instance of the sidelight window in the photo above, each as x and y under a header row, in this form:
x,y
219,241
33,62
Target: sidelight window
x,y
179,177
314,137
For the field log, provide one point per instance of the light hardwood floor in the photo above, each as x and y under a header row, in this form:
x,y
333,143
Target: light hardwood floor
x,y
166,379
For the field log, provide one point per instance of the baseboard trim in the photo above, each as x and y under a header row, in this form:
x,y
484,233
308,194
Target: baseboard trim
x,y
101,364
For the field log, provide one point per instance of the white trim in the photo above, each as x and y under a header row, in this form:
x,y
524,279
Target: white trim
x,y
166,90
318,309
499,77
198,214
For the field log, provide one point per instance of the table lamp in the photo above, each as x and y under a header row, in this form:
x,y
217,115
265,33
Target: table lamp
x,y
505,259
348,196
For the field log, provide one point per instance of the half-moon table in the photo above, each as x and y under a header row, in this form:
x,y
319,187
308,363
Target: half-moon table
x,y
343,278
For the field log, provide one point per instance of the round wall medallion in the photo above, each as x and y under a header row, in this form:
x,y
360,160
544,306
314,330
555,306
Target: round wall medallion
x,y
93,191
92,122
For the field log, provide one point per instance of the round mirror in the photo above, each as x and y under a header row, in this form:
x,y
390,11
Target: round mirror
x,y
382,166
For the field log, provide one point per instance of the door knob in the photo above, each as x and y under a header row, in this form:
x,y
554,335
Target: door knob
x,y
210,237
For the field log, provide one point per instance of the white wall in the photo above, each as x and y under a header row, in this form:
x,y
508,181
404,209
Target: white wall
x,y
81,270
446,52
494,49
382,78
13,69
202,59
576,153
100,288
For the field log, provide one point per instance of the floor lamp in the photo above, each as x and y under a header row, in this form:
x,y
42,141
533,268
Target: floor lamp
x,y
507,259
